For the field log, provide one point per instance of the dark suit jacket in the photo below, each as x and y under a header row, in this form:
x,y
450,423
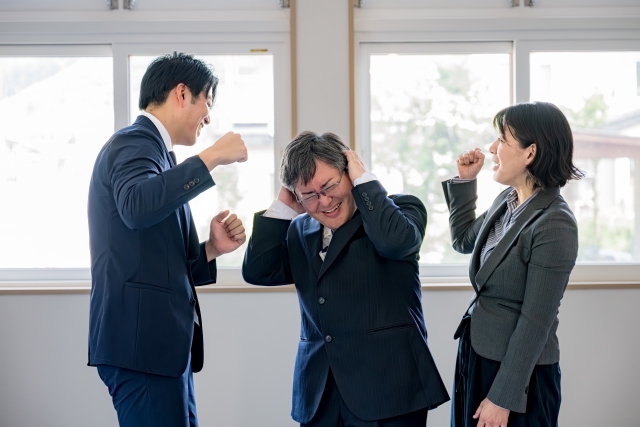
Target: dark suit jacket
x,y
145,255
361,311
520,285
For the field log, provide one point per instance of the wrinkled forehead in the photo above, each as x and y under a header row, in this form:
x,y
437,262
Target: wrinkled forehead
x,y
325,175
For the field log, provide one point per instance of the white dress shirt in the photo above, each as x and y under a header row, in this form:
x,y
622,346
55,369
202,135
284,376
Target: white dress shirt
x,y
163,131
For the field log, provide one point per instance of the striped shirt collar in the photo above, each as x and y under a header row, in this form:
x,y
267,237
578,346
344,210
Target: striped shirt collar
x,y
504,223
512,203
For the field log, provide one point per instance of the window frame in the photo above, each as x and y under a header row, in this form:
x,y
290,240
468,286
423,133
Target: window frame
x,y
429,273
58,33
120,52
584,273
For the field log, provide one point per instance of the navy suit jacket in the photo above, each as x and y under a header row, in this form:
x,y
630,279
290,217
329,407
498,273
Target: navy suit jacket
x,y
361,311
145,255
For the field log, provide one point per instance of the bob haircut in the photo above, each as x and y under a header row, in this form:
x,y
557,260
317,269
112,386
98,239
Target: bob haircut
x,y
542,124
168,71
300,157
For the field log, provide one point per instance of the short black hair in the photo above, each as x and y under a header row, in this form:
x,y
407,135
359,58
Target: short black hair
x,y
542,124
168,71
300,156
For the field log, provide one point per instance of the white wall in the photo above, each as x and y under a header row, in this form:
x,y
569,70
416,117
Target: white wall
x,y
250,344
323,67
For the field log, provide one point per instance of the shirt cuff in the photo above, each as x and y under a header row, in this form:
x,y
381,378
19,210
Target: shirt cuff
x,y
366,177
280,210
458,180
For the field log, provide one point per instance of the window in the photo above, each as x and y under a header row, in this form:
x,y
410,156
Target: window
x,y
423,103
59,104
244,104
425,108
56,112
598,92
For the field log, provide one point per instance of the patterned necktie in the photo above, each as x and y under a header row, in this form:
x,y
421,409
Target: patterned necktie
x,y
327,235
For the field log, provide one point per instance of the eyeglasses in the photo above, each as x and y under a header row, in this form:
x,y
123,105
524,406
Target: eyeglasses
x,y
314,197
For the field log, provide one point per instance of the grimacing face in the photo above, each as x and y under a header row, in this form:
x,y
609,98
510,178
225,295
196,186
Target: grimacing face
x,y
337,207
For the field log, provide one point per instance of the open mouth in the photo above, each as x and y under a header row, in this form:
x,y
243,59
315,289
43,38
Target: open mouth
x,y
495,166
332,210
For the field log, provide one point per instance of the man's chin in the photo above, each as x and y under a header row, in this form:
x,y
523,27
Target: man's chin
x,y
192,142
332,223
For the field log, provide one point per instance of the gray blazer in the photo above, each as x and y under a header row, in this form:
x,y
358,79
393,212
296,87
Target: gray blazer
x,y
519,286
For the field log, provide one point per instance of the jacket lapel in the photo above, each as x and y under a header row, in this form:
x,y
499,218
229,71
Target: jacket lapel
x,y
542,200
340,239
312,236
496,210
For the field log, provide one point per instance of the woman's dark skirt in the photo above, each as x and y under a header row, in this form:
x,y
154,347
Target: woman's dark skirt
x,y
475,374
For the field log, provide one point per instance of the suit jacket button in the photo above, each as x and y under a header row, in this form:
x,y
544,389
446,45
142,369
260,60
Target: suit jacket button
x,y
193,302
364,194
191,183
186,187
368,203
321,300
328,338
196,180
370,208
366,199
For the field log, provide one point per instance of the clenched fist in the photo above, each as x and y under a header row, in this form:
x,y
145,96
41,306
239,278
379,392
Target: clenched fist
x,y
470,164
226,234
226,150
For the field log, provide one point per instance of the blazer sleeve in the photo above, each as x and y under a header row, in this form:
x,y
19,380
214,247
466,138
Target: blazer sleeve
x,y
464,226
145,194
266,260
396,225
553,254
202,271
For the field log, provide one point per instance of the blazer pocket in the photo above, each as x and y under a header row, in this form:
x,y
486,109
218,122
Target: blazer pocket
x,y
391,328
506,307
148,287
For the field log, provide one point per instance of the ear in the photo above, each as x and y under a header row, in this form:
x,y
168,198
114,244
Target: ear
x,y
531,155
180,93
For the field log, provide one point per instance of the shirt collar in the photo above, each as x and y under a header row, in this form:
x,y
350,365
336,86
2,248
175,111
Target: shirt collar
x,y
163,131
512,201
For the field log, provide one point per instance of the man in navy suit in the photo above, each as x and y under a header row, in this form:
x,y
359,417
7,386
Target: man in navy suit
x,y
363,359
145,327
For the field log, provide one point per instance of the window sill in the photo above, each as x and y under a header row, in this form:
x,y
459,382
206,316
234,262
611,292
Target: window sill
x,y
428,285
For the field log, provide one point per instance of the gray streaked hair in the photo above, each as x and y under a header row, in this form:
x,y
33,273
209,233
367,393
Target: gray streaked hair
x,y
300,157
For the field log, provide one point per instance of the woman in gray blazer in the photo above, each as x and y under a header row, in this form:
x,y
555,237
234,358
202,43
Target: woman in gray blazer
x,y
523,250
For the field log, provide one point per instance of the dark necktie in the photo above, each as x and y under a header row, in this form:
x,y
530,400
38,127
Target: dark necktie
x,y
173,156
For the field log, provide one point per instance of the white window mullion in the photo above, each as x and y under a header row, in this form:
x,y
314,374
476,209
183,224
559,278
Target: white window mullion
x,y
521,73
121,86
